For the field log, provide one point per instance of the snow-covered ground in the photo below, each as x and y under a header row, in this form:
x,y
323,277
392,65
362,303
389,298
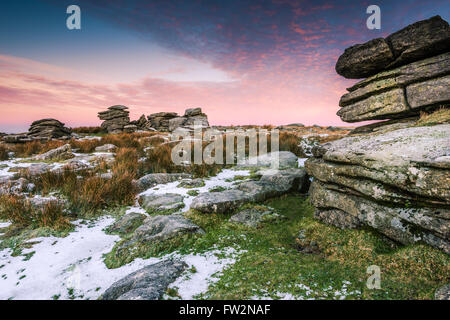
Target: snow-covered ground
x,y
223,179
73,267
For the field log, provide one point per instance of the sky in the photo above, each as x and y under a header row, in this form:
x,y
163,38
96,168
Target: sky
x,y
241,61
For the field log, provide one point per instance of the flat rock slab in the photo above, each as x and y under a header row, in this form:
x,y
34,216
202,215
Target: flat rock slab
x,y
62,153
127,223
282,159
412,160
253,217
164,227
220,202
106,148
276,183
417,41
344,208
148,283
154,203
152,179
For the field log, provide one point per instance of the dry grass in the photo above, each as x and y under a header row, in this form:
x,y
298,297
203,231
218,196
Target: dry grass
x,y
439,116
88,130
3,153
291,142
35,147
85,146
23,214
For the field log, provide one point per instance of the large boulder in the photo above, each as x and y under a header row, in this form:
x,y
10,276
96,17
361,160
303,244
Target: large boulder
x,y
148,283
271,184
396,182
417,41
46,129
399,93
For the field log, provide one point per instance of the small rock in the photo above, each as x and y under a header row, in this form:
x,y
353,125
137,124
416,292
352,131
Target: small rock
x,y
443,293
127,223
62,153
148,283
106,148
154,203
255,216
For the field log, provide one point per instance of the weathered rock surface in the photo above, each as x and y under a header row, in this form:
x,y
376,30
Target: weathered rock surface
x,y
253,217
148,283
152,179
106,148
385,126
443,293
170,121
164,227
270,185
46,129
62,153
154,203
399,93
284,159
115,118
160,120
397,182
393,176
127,223
417,41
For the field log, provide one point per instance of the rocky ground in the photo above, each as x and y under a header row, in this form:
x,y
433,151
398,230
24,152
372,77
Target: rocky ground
x,y
239,232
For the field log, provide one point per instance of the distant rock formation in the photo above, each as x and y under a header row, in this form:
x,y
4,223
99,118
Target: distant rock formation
x,y
48,129
169,121
115,118
393,176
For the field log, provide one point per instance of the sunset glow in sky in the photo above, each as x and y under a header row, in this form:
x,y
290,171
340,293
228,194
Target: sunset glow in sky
x,y
242,61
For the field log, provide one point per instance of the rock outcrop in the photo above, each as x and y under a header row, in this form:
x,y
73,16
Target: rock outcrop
x,y
169,121
271,184
393,176
415,42
47,129
115,118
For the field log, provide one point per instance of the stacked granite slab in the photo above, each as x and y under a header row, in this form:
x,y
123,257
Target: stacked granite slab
x,y
115,118
393,176
160,120
169,121
48,129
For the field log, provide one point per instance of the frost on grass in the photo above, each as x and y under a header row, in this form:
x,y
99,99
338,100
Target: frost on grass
x,y
203,270
312,292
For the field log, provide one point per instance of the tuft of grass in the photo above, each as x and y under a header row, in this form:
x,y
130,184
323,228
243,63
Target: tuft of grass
x,y
36,147
89,130
3,153
23,214
291,142
439,116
